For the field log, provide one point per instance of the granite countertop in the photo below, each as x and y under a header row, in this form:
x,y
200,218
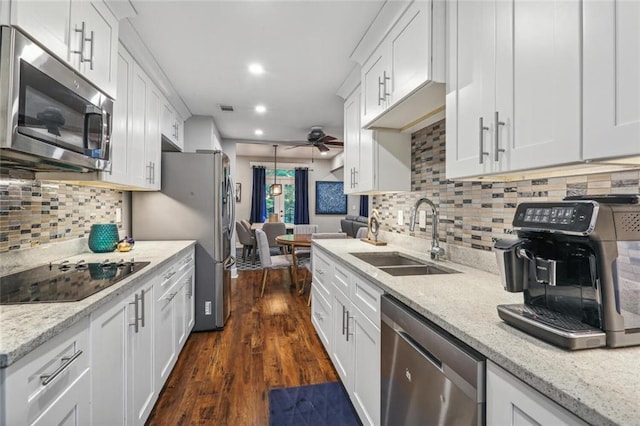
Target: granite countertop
x,y
25,327
601,386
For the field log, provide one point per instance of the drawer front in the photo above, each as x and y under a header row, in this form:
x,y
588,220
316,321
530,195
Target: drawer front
x,y
168,277
321,317
322,269
186,262
342,279
366,297
39,379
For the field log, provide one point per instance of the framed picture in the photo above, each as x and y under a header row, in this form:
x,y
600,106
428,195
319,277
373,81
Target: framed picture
x,y
330,198
238,192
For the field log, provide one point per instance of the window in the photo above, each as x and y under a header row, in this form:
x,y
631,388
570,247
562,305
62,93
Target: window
x,y
283,205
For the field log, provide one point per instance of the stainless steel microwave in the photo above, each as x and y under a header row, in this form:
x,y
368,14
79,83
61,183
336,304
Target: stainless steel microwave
x,y
51,118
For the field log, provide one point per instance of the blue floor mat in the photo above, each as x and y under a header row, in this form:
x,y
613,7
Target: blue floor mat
x,y
313,405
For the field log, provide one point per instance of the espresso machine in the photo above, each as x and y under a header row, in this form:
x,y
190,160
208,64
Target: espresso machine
x,y
577,263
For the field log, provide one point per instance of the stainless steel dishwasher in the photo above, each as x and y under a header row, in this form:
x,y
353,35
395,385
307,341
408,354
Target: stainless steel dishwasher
x,y
428,376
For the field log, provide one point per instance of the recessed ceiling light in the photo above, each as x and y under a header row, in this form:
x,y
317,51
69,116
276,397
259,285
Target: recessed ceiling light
x,y
323,153
256,69
258,132
260,109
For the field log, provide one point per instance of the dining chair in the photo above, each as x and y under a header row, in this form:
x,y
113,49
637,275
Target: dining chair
x,y
268,262
304,229
246,224
272,230
247,240
309,265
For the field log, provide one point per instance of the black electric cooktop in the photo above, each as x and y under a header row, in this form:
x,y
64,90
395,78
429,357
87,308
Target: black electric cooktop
x,y
64,282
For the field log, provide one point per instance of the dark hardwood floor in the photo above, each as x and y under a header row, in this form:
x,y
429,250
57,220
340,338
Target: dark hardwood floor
x,y
224,377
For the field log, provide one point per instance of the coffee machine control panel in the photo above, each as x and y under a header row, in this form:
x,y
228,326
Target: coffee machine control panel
x,y
567,217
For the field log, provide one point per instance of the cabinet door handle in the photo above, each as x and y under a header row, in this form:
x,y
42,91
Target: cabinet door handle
x,y
498,150
82,40
90,60
385,79
189,286
344,310
320,271
482,151
66,362
135,312
142,306
380,84
348,332
355,177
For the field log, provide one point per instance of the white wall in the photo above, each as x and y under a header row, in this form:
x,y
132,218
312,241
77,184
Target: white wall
x,y
318,170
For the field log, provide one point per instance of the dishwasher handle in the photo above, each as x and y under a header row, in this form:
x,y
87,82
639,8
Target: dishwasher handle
x,y
420,349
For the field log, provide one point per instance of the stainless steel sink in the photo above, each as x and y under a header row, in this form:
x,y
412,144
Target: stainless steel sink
x,y
389,258
398,264
400,271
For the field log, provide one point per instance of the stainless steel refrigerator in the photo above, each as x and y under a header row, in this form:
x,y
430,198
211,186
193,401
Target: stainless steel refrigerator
x,y
196,202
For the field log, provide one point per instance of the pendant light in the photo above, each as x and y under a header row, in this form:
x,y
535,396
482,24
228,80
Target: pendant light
x,y
276,188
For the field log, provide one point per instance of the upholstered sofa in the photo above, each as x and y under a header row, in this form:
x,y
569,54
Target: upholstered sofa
x,y
351,224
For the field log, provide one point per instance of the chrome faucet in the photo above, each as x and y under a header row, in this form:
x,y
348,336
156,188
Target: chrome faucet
x,y
436,250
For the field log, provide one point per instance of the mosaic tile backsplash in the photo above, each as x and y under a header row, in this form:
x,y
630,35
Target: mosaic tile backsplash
x,y
472,214
35,212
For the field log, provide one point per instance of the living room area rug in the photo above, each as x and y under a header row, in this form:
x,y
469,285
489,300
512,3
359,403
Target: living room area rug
x,y
324,404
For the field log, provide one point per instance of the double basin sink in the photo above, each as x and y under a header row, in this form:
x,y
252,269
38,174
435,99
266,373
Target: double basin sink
x,y
398,264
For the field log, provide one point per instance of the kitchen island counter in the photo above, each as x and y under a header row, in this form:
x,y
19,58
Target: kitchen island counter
x,y
601,386
25,327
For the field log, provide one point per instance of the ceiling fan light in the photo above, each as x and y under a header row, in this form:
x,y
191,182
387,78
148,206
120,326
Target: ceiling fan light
x,y
275,189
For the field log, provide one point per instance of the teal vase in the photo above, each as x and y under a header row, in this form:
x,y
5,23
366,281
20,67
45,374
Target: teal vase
x,y
103,237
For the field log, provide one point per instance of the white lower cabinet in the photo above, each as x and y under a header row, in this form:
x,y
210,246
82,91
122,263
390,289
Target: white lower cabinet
x,y
345,311
142,389
133,346
513,402
50,386
122,390
365,375
109,335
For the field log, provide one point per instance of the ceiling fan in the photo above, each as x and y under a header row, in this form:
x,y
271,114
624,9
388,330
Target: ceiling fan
x,y
320,140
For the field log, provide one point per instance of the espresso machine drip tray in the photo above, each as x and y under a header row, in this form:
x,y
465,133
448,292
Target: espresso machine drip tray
x,y
560,329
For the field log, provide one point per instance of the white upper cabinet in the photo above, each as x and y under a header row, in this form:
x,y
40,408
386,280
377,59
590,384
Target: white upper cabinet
x,y
45,21
99,48
172,127
470,85
375,80
376,160
409,48
121,133
410,56
84,34
513,86
153,146
351,140
611,76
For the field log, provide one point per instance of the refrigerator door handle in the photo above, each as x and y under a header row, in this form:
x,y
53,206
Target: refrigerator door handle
x,y
231,260
232,208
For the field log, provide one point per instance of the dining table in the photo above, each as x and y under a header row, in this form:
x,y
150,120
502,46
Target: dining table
x,y
258,225
291,241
